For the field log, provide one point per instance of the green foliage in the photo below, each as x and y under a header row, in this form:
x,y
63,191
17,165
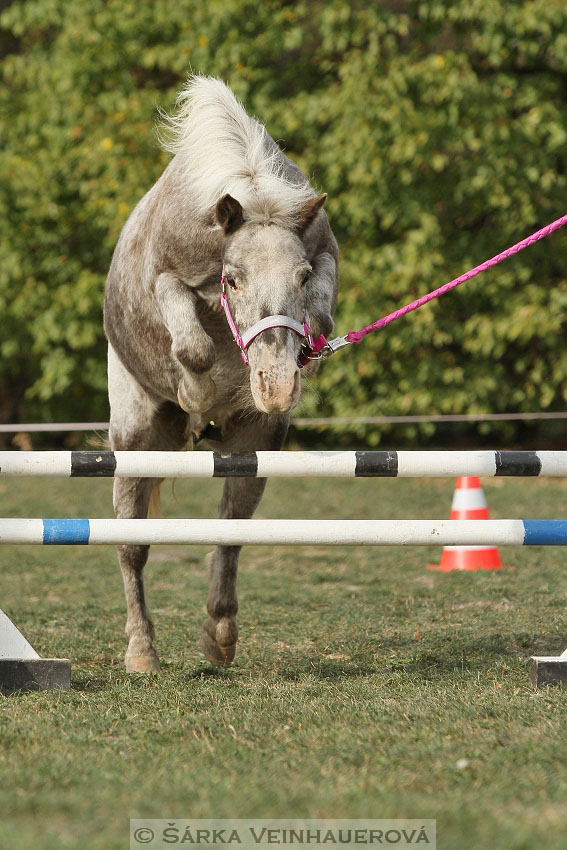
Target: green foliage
x,y
438,130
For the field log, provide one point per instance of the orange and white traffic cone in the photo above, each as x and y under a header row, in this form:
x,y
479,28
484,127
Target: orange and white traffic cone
x,y
469,502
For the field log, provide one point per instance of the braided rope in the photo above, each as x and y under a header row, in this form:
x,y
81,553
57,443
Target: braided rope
x,y
357,336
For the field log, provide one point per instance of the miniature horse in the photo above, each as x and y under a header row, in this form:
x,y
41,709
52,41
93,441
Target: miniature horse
x,y
230,204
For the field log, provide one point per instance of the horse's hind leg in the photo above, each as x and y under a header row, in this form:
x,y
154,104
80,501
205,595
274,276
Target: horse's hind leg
x,y
131,500
240,498
136,425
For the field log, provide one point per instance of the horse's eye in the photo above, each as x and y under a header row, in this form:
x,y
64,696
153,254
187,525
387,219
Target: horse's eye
x,y
305,277
231,281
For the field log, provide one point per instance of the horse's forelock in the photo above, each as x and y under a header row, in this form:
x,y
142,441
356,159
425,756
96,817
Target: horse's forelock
x,y
225,151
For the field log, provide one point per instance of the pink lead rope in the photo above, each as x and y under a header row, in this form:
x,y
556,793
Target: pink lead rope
x,y
356,336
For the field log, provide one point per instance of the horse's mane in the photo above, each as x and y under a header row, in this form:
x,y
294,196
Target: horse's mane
x,y
223,150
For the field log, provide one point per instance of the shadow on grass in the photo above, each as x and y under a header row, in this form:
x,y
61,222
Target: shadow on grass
x,y
448,655
89,685
324,670
474,654
443,657
211,672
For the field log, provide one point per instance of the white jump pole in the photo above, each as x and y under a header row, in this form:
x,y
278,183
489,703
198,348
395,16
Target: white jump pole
x,y
234,532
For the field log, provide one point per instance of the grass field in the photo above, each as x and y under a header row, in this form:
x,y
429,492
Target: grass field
x,y
360,683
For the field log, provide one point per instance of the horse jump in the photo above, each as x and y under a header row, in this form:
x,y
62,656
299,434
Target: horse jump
x,y
230,532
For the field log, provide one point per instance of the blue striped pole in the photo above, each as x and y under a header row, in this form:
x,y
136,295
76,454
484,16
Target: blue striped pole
x,y
504,532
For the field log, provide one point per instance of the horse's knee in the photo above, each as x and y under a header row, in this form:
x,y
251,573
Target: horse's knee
x,y
197,357
132,557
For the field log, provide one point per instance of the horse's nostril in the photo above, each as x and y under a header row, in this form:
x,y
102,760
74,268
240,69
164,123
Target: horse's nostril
x,y
261,381
296,381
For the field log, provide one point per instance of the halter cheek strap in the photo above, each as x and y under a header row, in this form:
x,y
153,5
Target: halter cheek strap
x,y
309,347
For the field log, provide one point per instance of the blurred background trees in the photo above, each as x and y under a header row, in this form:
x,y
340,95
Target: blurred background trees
x,y
437,128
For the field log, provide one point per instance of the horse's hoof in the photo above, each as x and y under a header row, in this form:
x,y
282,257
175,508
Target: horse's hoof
x,y
148,663
218,640
196,393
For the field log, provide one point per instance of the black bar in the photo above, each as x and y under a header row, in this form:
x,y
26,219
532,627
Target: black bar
x,y
517,463
235,465
92,464
376,464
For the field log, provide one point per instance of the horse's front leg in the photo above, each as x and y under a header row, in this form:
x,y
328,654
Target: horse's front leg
x,y
191,346
240,498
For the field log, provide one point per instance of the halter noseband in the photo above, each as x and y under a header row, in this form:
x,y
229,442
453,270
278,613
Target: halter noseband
x,y
309,349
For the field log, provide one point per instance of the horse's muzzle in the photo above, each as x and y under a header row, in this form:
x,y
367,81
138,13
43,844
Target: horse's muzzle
x,y
275,389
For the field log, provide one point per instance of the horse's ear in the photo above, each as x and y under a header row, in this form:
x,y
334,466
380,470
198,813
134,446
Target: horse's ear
x,y
309,212
229,214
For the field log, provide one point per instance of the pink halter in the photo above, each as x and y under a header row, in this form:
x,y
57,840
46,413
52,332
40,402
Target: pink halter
x,y
309,347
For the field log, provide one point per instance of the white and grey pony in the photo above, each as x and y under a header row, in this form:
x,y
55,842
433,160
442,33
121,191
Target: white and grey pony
x,y
229,205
